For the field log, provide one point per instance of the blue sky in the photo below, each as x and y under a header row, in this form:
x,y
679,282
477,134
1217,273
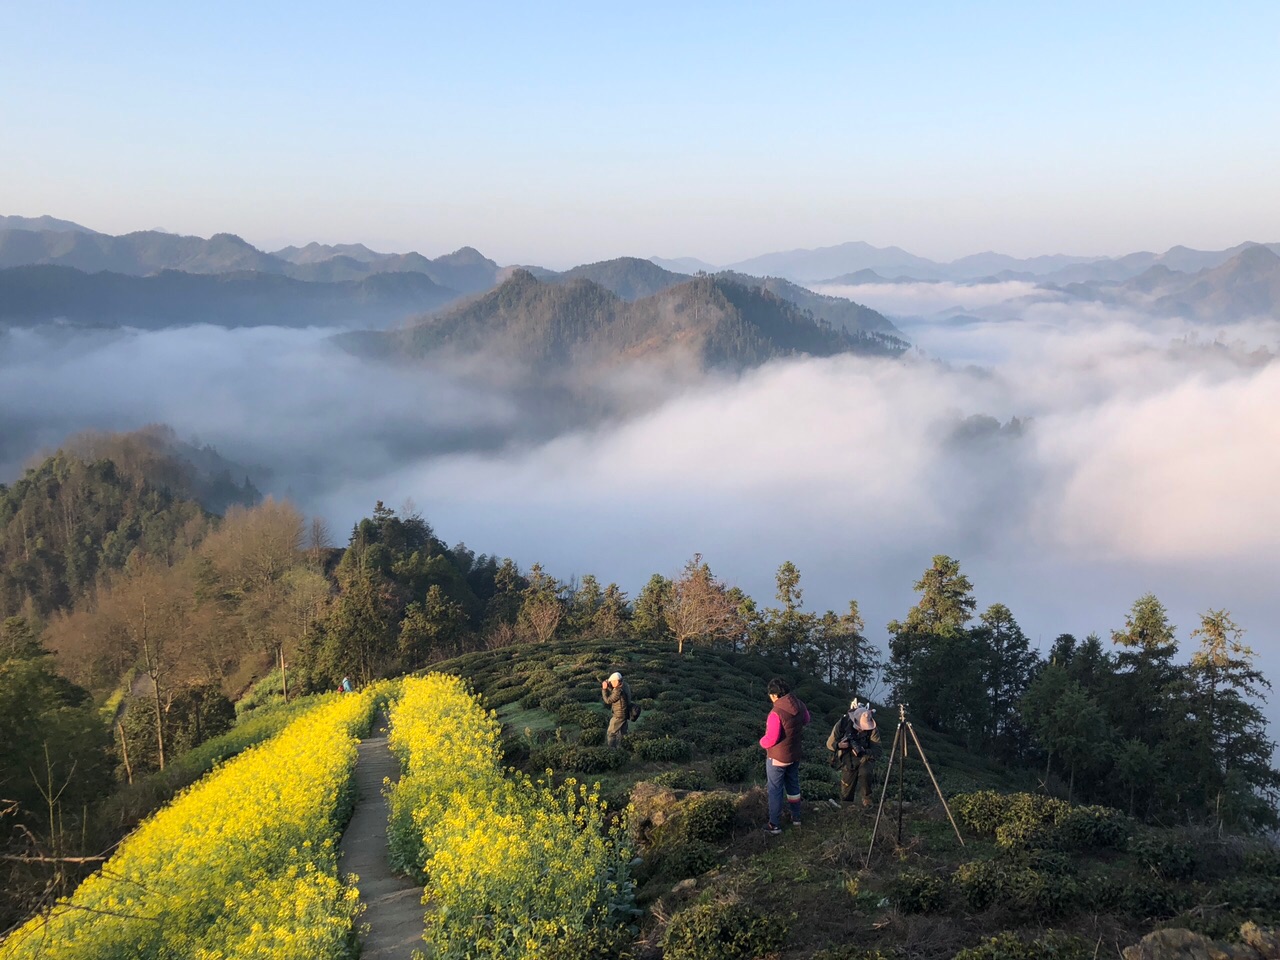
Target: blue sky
x,y
560,133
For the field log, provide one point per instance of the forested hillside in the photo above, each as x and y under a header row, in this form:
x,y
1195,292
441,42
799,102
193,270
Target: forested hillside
x,y
715,322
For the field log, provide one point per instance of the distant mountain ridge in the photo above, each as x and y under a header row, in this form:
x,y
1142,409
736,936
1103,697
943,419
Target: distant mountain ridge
x,y
577,322
38,294
847,263
633,279
150,251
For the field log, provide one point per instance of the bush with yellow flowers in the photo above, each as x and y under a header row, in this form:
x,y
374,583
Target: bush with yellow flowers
x,y
243,864
512,865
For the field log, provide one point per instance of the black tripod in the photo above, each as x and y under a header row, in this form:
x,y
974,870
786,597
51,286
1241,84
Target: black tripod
x,y
900,757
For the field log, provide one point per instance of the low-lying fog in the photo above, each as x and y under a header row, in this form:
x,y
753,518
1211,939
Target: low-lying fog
x,y
1145,456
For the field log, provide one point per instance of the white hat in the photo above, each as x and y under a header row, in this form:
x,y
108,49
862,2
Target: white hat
x,y
614,677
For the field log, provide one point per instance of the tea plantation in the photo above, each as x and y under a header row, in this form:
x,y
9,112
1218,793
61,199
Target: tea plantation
x,y
1036,877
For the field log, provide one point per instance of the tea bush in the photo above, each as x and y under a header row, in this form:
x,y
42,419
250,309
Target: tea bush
x,y
709,818
732,767
722,931
1091,828
681,780
668,749
577,758
1009,946
1166,858
817,789
1152,898
690,859
915,891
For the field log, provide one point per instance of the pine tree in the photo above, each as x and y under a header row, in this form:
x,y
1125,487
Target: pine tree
x,y
1238,783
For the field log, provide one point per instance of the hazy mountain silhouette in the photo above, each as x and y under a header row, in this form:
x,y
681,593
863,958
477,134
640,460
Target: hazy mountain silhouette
x,y
37,294
151,251
629,277
544,325
689,265
837,311
46,223
1247,285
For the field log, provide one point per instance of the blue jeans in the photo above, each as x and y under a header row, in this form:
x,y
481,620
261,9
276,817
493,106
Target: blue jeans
x,y
782,781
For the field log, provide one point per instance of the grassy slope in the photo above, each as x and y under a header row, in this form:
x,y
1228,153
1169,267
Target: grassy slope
x,y
815,876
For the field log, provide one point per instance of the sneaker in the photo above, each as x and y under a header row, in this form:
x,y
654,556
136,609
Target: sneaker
x,y
771,830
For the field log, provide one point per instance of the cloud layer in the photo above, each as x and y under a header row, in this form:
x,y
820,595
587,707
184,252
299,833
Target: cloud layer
x,y
1145,457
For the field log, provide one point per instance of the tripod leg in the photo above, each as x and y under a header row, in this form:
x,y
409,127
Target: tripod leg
x,y
884,789
920,749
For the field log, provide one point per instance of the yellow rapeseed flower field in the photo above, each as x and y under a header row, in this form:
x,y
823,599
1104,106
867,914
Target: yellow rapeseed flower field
x,y
242,865
512,865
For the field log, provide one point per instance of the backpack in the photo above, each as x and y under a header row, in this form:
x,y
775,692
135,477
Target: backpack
x,y
633,711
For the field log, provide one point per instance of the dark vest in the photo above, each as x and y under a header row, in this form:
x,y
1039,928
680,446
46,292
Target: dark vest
x,y
787,750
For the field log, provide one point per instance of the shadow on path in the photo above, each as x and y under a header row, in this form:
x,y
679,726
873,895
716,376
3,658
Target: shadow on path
x,y
393,915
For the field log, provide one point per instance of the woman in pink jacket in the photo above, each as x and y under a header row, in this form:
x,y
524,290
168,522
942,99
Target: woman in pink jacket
x,y
781,743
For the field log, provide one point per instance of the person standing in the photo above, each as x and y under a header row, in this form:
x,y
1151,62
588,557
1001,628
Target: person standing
x,y
783,750
617,696
852,742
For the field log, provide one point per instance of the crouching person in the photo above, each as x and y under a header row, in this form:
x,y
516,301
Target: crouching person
x,y
617,695
781,743
853,743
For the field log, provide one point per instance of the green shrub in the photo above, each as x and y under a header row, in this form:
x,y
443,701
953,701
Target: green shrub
x,y
668,749
849,953
1091,828
718,744
570,756
690,858
817,789
1009,946
981,812
500,698
915,891
709,818
722,931
1024,835
681,780
1043,896
1166,858
731,767
1153,898
592,737
817,771
1254,894
980,882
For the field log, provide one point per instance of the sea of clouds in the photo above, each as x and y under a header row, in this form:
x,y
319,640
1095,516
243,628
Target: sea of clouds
x,y
1071,458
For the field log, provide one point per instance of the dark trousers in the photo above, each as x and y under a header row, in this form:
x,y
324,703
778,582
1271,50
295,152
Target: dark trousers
x,y
855,777
617,730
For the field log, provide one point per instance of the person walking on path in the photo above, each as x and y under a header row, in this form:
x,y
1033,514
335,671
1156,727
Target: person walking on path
x,y
617,695
783,750
852,744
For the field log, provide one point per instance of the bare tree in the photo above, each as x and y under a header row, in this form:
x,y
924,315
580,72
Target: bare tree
x,y
542,607
701,610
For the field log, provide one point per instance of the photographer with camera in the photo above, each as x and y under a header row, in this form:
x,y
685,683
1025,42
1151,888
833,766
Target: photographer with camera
x,y
617,696
852,744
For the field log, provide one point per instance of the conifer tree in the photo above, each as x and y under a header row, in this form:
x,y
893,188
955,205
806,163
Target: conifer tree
x,y
1236,778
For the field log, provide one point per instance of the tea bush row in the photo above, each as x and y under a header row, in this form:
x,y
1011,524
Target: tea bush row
x,y
242,865
1021,821
512,866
